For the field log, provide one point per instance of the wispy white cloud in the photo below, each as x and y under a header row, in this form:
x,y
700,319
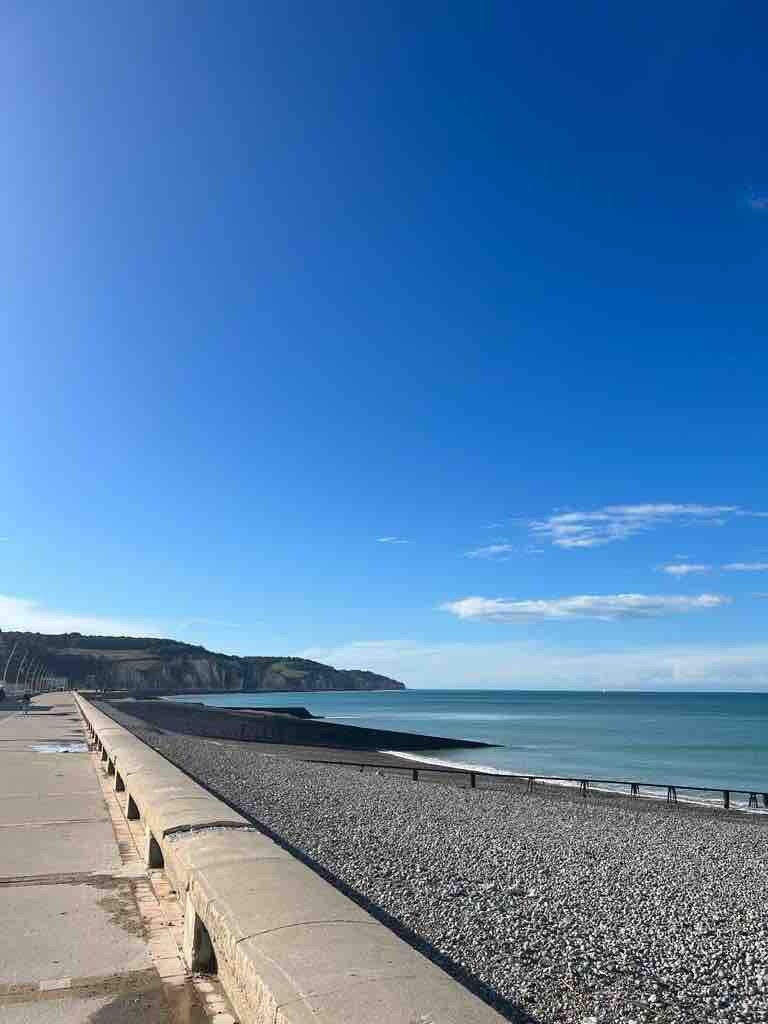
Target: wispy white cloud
x,y
513,664
391,540
618,522
491,551
606,607
746,567
493,526
684,568
17,613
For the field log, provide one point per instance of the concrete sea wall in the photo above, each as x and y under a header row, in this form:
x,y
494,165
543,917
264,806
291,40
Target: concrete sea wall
x,y
270,727
287,946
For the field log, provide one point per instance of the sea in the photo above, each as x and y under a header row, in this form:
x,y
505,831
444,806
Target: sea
x,y
712,740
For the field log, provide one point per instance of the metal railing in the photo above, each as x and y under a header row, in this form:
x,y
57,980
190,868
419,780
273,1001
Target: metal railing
x,y
584,784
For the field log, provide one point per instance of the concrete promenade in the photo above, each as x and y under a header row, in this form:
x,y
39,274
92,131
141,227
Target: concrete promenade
x,y
87,932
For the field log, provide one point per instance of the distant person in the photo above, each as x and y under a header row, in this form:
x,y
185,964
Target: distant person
x,y
25,700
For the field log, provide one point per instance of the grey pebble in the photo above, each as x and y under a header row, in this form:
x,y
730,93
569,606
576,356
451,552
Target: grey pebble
x,y
571,910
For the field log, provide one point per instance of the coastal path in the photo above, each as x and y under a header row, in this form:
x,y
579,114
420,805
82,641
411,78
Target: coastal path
x,y
86,934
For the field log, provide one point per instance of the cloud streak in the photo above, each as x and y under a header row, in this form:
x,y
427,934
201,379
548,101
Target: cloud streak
x,y
523,665
604,607
689,568
684,568
619,522
17,613
391,540
491,551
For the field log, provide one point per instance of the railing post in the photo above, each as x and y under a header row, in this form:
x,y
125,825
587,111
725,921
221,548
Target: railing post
x,y
530,780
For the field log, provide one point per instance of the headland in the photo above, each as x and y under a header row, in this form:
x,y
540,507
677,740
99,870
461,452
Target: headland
x,y
152,665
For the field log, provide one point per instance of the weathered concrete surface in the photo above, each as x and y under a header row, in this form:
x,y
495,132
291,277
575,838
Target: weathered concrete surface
x,y
27,776
136,1008
349,973
216,849
43,807
71,944
77,846
70,931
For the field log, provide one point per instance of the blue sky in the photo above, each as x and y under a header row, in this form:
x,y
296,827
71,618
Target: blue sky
x,y
283,280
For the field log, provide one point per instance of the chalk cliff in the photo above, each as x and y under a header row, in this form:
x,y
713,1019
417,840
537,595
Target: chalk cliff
x,y
161,665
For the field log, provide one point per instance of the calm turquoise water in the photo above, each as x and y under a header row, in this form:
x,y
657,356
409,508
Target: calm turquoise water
x,y
715,740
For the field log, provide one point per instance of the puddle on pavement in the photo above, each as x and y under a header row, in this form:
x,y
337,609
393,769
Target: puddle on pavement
x,y
71,747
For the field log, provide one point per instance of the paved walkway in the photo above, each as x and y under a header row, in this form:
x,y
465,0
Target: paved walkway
x,y
84,935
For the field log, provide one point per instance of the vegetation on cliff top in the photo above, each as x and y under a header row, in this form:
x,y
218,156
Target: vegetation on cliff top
x,y
120,662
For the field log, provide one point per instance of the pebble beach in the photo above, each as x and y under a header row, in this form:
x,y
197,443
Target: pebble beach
x,y
552,907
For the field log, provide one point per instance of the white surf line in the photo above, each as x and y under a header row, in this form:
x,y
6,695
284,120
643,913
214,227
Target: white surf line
x,y
461,766
652,792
